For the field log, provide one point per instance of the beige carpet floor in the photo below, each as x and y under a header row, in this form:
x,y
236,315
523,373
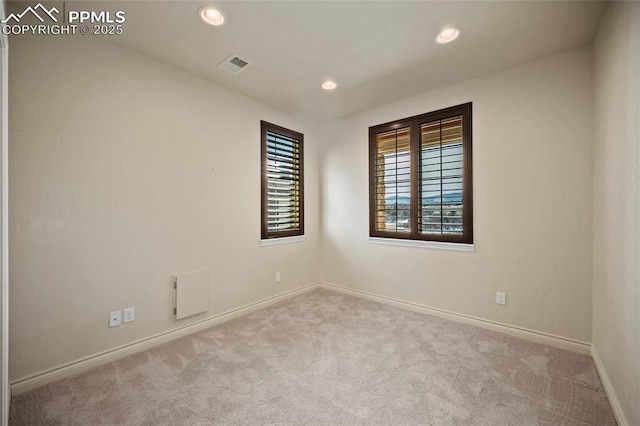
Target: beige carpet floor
x,y
327,358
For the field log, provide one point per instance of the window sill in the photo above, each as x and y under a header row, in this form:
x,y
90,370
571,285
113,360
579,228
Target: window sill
x,y
423,244
283,240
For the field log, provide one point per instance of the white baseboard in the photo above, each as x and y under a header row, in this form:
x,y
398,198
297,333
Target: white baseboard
x,y
72,368
523,333
608,388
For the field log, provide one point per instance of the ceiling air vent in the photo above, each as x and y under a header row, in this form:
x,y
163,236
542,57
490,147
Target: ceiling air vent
x,y
234,64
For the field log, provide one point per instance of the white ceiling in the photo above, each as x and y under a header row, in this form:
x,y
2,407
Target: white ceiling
x,y
377,52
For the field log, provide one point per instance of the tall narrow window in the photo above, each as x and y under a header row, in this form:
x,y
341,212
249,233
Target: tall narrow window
x,y
420,183
282,182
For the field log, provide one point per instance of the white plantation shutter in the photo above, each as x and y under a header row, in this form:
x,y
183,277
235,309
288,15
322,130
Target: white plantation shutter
x,y
392,180
282,182
441,177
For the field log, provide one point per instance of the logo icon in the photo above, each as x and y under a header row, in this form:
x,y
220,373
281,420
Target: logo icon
x,y
34,12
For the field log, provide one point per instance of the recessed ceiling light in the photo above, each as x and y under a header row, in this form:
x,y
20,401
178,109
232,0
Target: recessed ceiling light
x,y
329,85
211,16
447,35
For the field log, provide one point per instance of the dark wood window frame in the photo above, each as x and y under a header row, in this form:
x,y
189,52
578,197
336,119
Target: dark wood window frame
x,y
298,229
415,204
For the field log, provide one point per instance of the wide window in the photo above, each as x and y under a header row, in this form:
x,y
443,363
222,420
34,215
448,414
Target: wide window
x,y
282,182
420,177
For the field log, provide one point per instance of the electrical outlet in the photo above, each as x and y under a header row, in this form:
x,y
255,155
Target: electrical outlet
x,y
115,318
277,277
129,315
501,298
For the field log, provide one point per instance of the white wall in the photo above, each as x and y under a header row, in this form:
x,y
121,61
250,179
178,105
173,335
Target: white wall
x,y
616,205
532,202
125,171
4,271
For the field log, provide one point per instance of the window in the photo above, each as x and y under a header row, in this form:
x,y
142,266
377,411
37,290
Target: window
x,y
420,177
282,182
